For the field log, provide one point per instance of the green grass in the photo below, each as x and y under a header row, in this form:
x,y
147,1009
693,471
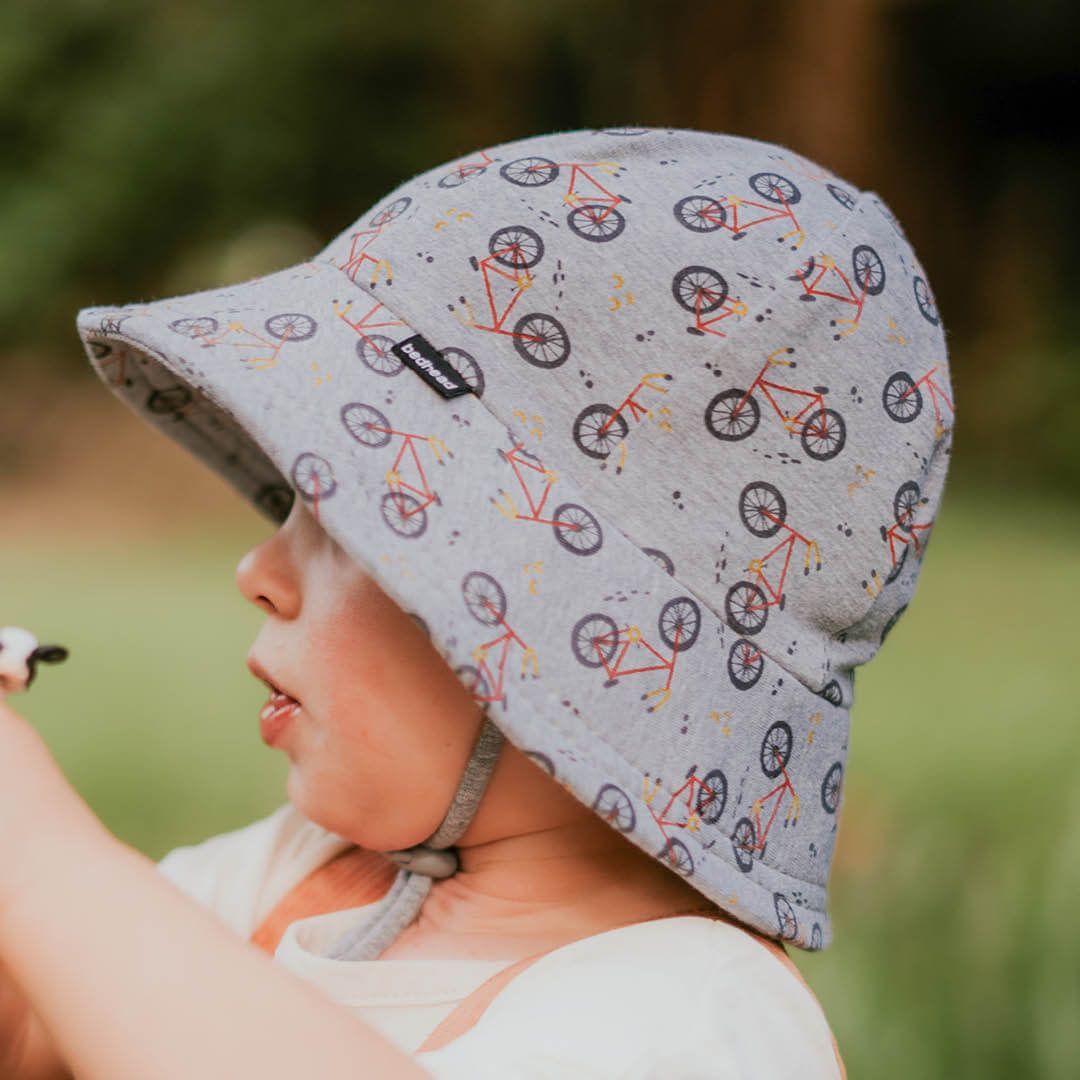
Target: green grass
x,y
957,877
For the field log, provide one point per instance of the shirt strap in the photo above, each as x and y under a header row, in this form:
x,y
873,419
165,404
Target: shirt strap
x,y
351,879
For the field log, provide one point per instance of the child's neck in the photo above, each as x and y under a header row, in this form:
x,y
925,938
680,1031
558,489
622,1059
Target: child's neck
x,y
525,894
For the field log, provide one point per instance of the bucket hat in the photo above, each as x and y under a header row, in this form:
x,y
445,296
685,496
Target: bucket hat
x,y
648,428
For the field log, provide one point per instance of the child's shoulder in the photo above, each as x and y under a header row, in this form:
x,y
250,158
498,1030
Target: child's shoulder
x,y
678,997
240,875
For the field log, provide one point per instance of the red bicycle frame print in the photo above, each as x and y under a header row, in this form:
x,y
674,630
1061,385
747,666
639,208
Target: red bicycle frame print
x,y
903,534
822,277
359,256
700,213
575,528
288,326
903,400
486,602
512,252
374,349
703,292
465,170
763,510
735,414
598,642
593,215
695,803
750,835
599,428
404,506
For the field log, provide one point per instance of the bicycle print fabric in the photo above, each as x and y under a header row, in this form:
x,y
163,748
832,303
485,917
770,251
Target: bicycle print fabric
x,y
688,493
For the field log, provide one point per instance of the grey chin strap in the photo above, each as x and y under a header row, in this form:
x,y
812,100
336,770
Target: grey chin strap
x,y
421,865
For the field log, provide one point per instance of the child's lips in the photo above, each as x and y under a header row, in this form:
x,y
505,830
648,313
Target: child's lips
x,y
276,715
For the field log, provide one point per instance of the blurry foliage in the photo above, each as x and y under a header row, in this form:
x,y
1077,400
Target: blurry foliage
x,y
143,143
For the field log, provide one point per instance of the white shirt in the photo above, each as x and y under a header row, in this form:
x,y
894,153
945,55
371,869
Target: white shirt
x,y
675,999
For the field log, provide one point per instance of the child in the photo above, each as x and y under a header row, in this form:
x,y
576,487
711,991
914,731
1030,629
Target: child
x,y
610,463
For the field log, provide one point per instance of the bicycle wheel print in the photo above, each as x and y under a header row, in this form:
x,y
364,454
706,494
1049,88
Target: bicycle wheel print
x,y
679,623
712,797
776,749
594,640
745,664
699,213
404,514
394,210
744,844
832,693
291,326
516,246
831,787
925,300
195,328
662,559
376,351
731,415
596,222
676,856
614,806
868,269
313,476
894,573
599,429
775,188
530,171
467,367
843,197
905,500
786,921
541,340
577,530
699,289
366,424
461,176
823,434
901,398
762,508
746,608
484,597
474,680
816,937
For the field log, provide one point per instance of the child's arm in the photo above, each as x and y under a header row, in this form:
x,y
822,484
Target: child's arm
x,y
133,980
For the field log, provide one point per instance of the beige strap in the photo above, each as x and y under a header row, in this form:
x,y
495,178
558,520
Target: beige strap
x,y
353,878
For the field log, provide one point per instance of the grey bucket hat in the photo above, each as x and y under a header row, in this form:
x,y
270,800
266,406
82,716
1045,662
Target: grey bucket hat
x,y
648,427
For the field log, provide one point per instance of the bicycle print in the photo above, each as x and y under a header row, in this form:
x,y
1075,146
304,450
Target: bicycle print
x,y
734,414
538,338
821,273
289,326
695,803
360,241
593,215
703,291
903,534
600,428
485,601
575,528
404,505
903,400
597,641
750,835
703,214
763,511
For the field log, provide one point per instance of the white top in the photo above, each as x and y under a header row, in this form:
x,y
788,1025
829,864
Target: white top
x,y
676,999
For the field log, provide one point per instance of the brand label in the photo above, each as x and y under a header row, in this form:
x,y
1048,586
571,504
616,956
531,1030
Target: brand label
x,y
422,357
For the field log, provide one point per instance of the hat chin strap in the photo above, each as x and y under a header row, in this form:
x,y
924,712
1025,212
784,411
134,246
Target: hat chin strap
x,y
422,864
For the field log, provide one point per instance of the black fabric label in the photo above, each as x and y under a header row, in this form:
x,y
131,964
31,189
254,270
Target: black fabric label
x,y
419,354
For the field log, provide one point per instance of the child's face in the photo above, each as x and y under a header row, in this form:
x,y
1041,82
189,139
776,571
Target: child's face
x,y
376,726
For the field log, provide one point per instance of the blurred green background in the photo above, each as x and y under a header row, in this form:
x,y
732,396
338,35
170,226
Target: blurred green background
x,y
154,149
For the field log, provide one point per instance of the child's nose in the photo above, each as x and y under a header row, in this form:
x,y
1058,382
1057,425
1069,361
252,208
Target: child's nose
x,y
267,578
